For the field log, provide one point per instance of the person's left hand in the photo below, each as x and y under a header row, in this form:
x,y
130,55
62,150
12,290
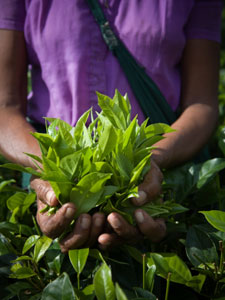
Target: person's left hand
x,y
153,229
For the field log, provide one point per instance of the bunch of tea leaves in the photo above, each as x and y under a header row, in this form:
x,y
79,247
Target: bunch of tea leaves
x,y
101,161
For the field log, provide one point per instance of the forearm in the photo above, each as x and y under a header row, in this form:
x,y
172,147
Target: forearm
x,y
198,103
193,130
15,137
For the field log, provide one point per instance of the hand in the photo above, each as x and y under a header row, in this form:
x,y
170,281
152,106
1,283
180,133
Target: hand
x,y
86,229
153,229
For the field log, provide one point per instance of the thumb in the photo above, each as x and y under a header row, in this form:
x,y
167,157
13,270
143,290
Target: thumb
x,y
44,191
151,187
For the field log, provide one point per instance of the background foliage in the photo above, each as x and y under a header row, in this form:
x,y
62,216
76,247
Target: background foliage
x,y
188,263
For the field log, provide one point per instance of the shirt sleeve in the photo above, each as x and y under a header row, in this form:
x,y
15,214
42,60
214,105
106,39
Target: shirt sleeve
x,y
205,20
12,14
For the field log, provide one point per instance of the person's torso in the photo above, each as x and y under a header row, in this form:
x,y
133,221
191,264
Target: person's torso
x,y
70,60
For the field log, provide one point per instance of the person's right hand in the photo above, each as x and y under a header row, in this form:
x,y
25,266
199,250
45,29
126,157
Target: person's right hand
x,y
86,229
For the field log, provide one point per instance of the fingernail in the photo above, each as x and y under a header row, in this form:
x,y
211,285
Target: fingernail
x,y
115,222
50,196
98,222
85,223
69,212
139,216
141,199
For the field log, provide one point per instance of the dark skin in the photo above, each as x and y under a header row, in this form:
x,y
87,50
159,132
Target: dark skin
x,y
200,65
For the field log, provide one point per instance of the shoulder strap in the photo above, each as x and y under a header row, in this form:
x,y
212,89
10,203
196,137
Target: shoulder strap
x,y
151,100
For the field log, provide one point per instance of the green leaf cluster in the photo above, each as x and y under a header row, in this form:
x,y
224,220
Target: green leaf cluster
x,y
100,161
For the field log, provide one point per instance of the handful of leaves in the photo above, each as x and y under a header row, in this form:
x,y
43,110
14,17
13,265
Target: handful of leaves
x,y
101,161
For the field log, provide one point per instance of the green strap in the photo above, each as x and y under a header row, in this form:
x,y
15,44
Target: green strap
x,y
153,104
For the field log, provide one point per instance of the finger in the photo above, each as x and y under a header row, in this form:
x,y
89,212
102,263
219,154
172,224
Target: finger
x,y
98,222
122,228
155,230
79,236
54,225
151,187
108,240
44,191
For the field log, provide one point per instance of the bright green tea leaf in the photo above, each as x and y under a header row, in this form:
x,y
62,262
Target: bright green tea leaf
x,y
30,242
216,218
22,273
196,283
21,169
16,200
150,277
120,295
171,263
104,288
41,247
78,258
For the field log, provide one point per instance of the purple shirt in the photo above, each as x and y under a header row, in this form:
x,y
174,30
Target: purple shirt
x,y
70,61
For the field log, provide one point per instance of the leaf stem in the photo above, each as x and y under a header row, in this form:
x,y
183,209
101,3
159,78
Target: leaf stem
x,y
78,281
38,275
221,256
219,188
216,271
36,226
43,210
144,270
34,284
205,264
167,285
216,288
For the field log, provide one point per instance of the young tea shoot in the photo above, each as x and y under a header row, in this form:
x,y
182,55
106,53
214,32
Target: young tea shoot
x,y
100,161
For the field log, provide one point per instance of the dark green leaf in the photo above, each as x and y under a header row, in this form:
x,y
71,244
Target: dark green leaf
x,y
182,180
5,183
59,289
199,247
134,252
209,169
5,246
144,294
16,287
16,228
